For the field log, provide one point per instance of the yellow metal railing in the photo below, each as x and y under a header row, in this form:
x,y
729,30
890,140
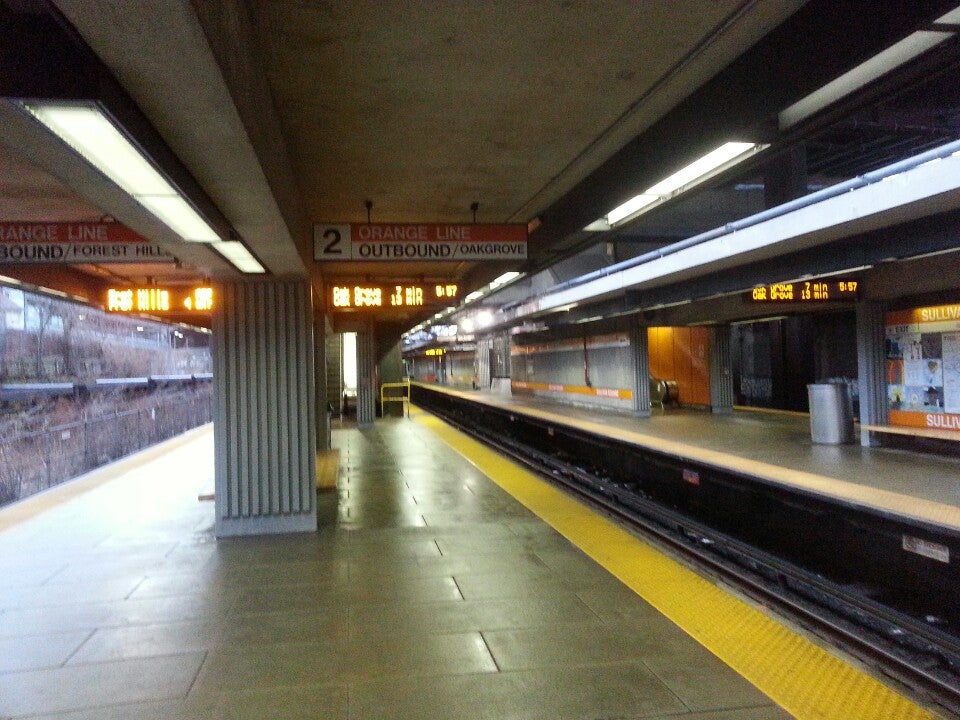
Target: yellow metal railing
x,y
404,387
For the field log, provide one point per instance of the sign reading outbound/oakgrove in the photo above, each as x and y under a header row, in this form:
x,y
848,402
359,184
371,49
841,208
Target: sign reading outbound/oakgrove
x,y
400,242
27,243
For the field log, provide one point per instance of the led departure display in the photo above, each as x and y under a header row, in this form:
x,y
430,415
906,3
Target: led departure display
x,y
807,291
160,300
363,296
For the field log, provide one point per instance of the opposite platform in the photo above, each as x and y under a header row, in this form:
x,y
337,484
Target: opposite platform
x,y
772,446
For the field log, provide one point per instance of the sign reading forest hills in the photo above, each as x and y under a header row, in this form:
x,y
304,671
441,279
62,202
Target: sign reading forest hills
x,y
30,243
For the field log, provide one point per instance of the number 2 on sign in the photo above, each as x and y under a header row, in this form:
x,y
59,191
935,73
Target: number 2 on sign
x,y
331,242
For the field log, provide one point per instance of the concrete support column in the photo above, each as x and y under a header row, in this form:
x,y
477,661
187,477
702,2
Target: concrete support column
x,y
320,379
871,368
482,360
264,408
500,365
721,370
366,378
639,346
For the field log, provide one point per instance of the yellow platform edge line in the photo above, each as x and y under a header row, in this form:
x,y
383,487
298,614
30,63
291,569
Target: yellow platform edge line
x,y
800,676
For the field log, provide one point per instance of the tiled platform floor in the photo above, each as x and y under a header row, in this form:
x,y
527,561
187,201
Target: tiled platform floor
x,y
429,593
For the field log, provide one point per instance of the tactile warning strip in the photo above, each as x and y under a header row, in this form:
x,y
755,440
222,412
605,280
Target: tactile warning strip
x,y
800,676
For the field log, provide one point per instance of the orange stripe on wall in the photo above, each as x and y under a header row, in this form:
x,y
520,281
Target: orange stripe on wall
x,y
618,393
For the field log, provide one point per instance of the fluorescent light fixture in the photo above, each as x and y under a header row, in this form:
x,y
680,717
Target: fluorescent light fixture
x,y
866,72
467,325
700,168
241,258
180,217
503,279
92,134
713,163
630,208
600,225
475,295
951,18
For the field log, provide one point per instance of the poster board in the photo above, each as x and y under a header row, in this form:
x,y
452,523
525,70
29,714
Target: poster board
x,y
923,367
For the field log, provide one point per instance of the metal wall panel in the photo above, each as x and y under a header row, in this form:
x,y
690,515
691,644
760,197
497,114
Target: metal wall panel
x,y
265,415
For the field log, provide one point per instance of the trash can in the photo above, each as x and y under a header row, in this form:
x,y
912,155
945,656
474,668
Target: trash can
x,y
831,413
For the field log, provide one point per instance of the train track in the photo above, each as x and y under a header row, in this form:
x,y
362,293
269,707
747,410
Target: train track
x,y
924,659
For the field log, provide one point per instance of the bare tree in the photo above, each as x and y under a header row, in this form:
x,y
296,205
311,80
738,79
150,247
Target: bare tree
x,y
44,308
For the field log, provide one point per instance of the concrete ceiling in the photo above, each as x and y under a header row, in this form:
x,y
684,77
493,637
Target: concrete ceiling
x,y
289,113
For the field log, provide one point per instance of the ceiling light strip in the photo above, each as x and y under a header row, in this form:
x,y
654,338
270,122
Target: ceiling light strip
x,y
716,161
238,255
87,129
866,72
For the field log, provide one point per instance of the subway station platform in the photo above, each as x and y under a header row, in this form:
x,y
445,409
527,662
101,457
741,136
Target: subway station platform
x,y
774,446
445,582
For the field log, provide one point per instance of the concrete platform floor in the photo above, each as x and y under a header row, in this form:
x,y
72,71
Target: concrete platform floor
x,y
429,593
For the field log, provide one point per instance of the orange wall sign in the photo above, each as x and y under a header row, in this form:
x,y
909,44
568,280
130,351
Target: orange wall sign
x,y
923,367
25,243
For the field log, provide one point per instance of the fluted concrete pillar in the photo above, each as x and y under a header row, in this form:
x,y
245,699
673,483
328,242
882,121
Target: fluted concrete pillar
x,y
264,408
639,347
721,370
366,379
871,368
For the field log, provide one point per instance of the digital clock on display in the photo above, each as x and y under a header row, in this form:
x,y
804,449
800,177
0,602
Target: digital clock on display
x,y
362,296
160,300
806,291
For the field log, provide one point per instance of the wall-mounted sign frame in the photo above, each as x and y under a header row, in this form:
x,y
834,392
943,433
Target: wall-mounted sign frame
x,y
349,295
923,367
806,292
412,242
75,243
156,300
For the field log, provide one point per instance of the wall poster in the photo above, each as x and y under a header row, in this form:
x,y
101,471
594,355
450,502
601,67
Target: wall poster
x,y
923,367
